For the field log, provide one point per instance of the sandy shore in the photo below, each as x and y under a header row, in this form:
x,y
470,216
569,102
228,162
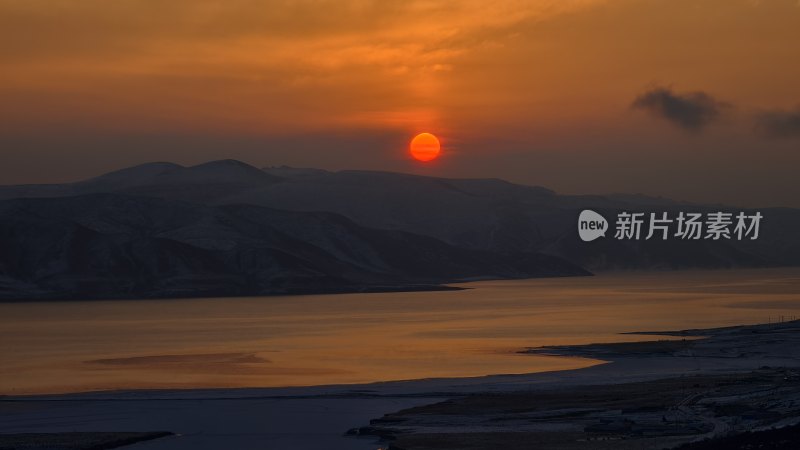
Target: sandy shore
x,y
317,417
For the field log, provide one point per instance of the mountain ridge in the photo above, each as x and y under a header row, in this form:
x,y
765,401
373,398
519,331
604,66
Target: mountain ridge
x,y
122,246
473,213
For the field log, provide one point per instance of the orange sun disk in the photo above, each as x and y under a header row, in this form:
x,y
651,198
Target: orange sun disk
x,y
425,147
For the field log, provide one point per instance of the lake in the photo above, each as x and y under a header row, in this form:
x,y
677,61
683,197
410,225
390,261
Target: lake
x,y
71,346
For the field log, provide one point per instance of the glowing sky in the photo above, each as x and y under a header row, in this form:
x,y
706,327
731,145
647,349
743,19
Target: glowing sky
x,y
695,100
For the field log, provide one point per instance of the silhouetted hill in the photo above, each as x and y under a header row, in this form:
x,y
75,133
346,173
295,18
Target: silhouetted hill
x,y
480,214
202,183
120,246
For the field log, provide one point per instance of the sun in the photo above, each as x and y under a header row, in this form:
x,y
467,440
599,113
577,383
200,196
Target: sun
x,y
425,147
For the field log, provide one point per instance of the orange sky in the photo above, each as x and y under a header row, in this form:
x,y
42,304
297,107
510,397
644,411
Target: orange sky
x,y
538,92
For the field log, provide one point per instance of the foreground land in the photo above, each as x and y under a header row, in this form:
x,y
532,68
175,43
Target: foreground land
x,y
699,388
655,414
704,405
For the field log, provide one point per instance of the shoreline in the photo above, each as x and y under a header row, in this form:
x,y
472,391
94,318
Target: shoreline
x,y
720,352
703,348
448,286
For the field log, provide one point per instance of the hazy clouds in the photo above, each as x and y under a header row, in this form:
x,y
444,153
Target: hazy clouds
x,y
779,123
694,111
691,111
246,65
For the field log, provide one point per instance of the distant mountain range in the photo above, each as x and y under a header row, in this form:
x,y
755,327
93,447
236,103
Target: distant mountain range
x,y
228,228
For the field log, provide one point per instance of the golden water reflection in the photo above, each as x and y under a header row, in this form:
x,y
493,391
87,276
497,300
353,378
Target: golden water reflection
x,y
356,338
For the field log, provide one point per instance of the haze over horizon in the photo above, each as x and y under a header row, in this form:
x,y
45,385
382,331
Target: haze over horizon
x,y
691,100
291,171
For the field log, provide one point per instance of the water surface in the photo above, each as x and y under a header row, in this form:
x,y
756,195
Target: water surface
x,y
53,347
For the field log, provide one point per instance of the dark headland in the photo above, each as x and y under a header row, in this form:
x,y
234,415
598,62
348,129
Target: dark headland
x,y
225,228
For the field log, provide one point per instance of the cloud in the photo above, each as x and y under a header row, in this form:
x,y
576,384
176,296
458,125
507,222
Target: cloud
x,y
779,123
123,28
692,111
250,65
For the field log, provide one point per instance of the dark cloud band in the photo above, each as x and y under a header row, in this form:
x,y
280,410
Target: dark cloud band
x,y
691,111
779,123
